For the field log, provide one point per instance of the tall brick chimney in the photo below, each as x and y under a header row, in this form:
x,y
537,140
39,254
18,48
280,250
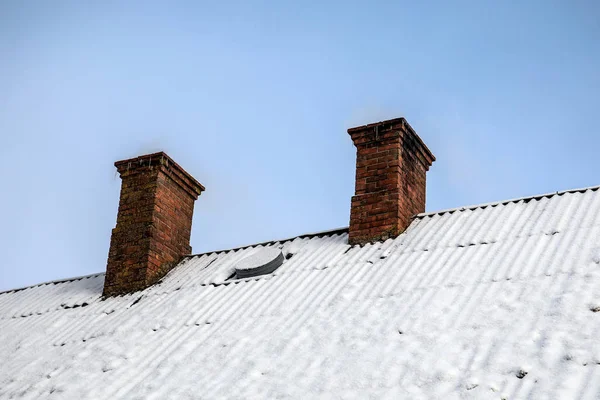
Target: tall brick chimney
x,y
154,222
391,164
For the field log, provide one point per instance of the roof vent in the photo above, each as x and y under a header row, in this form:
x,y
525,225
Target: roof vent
x,y
264,261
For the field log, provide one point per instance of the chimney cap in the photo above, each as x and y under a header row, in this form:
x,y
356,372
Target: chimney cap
x,y
131,165
370,131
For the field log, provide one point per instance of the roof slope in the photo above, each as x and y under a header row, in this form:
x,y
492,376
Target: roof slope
x,y
496,301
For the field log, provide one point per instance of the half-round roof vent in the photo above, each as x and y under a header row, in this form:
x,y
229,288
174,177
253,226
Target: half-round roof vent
x,y
264,261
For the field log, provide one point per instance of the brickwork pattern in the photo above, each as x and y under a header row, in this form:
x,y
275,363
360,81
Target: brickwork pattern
x,y
391,167
154,222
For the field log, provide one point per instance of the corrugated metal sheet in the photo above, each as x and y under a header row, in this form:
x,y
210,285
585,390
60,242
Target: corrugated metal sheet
x,y
456,307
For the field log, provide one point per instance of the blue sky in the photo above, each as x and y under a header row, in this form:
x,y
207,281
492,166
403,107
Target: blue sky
x,y
254,99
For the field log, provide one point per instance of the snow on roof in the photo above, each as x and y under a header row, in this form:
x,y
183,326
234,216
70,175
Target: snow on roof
x,y
501,301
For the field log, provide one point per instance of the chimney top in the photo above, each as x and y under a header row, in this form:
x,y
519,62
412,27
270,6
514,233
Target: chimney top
x,y
131,165
373,131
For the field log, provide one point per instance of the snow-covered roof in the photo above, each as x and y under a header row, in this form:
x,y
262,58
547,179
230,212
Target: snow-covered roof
x,y
488,302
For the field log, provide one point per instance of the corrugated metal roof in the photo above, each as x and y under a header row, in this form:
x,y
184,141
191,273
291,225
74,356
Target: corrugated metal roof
x,y
459,306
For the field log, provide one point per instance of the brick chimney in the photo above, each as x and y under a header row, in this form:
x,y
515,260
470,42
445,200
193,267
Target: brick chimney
x,y
154,222
391,163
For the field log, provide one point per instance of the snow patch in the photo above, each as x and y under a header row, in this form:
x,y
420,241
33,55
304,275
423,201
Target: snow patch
x,y
261,257
596,255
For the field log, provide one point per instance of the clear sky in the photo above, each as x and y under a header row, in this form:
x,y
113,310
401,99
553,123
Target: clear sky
x,y
254,99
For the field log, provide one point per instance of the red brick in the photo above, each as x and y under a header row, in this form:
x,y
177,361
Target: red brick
x,y
391,164
153,222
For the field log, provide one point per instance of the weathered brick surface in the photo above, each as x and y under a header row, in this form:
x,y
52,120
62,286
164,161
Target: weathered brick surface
x,y
154,222
391,164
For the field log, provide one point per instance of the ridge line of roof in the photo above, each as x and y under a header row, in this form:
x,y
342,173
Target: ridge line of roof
x,y
54,282
76,278
504,202
312,234
331,232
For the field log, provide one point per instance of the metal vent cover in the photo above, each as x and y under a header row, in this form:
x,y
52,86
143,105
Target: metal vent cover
x,y
263,262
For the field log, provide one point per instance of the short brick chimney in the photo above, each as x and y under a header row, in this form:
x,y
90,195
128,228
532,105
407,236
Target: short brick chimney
x,y
391,163
154,222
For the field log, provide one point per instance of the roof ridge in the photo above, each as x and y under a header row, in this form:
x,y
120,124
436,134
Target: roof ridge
x,y
504,202
331,232
76,278
312,234
54,282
